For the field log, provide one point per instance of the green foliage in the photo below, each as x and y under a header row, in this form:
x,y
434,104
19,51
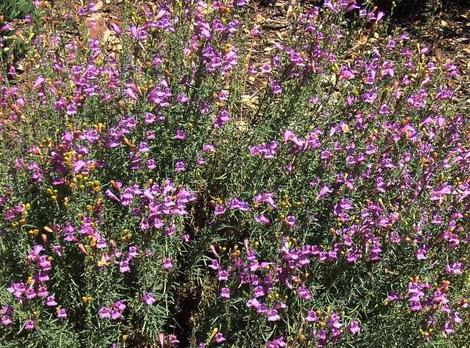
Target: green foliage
x,y
12,9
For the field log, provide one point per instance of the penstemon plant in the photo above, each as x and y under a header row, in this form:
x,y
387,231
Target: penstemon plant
x,y
165,185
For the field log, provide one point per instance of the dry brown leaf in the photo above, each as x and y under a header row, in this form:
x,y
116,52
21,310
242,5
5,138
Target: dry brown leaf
x,y
250,100
260,19
279,35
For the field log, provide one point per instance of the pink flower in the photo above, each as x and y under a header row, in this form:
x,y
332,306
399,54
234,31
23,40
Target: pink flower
x,y
421,253
29,325
167,263
104,313
208,148
225,293
312,316
5,320
180,166
219,210
276,343
273,315
180,134
219,337
262,219
223,275
223,117
324,191
62,313
291,221
148,299
51,301
354,327
39,81
115,314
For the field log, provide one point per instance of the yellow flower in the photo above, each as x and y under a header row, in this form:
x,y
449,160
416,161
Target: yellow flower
x,y
87,299
102,262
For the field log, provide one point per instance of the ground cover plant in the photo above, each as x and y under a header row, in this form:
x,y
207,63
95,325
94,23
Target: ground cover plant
x,y
10,48
161,186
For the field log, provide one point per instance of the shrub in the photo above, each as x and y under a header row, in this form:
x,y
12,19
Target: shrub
x,y
169,186
12,48
12,9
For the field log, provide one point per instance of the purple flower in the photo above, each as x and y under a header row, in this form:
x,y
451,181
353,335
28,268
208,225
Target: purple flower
x,y
312,316
291,221
215,265
143,147
5,320
151,164
266,151
335,321
62,313
219,337
29,325
5,315
208,148
148,299
180,134
324,191
180,166
219,210
262,219
119,305
167,263
276,343
225,293
50,301
104,313
223,275
455,268
265,197
273,315
421,253
124,266
276,88
369,97
115,314
7,27
149,118
160,94
223,117
354,327
439,193
239,204
254,303
265,69
17,289
304,293
393,296
448,327
30,293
